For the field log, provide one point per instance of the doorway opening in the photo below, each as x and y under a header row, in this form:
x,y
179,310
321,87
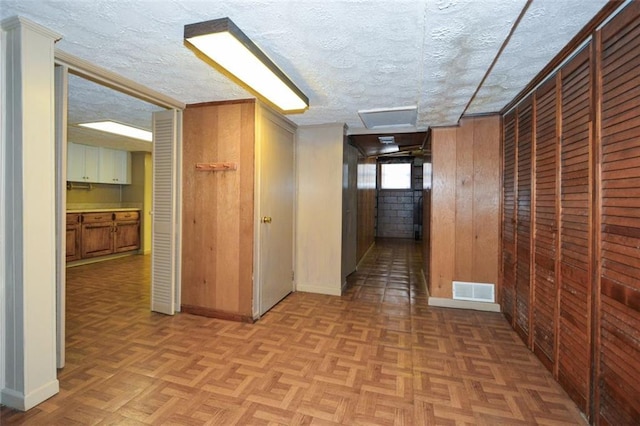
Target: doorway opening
x,y
104,182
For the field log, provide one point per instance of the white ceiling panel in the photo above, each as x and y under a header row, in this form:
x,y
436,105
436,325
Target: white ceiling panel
x,y
345,55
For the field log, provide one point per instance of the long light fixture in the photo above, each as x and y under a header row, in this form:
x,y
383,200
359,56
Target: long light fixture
x,y
223,42
119,129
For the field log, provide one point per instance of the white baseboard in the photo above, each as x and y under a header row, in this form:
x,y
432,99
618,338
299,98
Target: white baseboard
x,y
463,304
19,401
331,291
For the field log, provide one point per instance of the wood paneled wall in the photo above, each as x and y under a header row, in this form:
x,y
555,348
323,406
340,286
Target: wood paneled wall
x,y
217,210
465,200
427,180
366,205
570,273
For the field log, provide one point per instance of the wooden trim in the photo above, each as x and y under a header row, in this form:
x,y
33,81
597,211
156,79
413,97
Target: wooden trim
x,y
592,235
500,282
218,103
532,219
596,223
558,260
516,123
575,42
497,57
215,313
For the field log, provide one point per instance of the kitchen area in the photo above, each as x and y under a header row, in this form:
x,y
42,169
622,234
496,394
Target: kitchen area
x,y
108,203
108,173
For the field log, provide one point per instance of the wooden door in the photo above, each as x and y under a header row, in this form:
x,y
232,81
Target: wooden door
x,y
275,210
618,366
546,224
575,229
509,218
523,245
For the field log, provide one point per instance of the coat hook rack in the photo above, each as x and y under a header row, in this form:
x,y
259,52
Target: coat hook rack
x,y
216,167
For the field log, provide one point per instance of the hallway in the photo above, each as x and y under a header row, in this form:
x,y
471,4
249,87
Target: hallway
x,y
376,356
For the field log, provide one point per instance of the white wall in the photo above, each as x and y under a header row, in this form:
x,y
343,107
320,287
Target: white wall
x,y
318,258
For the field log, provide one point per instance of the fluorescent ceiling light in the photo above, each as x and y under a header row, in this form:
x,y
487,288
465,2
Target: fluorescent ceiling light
x,y
223,42
120,129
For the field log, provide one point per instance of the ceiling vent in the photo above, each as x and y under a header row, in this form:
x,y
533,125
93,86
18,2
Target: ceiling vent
x,y
389,117
386,139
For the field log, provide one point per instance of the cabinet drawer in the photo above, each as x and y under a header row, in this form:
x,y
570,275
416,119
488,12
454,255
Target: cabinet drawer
x,y
133,215
73,218
97,217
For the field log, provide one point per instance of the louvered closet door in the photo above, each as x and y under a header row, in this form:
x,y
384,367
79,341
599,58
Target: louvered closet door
x,y
546,226
619,372
575,234
509,220
166,125
523,272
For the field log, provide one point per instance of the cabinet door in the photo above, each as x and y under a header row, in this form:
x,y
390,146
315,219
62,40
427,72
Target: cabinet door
x,y
126,236
73,242
82,163
97,239
114,166
122,167
91,163
75,162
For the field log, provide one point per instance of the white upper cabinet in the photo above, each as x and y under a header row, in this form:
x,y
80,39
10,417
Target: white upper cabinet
x,y
97,165
115,166
82,163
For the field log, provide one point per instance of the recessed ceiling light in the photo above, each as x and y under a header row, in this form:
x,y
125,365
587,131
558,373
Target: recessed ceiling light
x,y
120,129
389,117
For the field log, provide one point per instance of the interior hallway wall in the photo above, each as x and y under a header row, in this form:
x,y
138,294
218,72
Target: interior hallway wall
x,y
465,204
366,233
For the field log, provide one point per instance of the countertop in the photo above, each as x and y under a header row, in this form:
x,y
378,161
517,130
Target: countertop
x,y
121,209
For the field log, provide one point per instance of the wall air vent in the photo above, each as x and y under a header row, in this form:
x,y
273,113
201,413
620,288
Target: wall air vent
x,y
475,292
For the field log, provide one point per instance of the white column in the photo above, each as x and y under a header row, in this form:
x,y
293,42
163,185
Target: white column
x,y
28,225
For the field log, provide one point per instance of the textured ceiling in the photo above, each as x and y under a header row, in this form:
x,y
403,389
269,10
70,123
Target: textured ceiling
x,y
346,55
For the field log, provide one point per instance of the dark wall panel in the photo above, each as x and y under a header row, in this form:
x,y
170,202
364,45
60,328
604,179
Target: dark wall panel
x,y
546,223
508,217
619,356
571,210
575,228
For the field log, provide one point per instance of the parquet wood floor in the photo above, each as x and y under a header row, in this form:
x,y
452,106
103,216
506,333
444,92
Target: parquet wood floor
x,y
375,356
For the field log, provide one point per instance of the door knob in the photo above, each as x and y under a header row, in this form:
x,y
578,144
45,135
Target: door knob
x,y
266,219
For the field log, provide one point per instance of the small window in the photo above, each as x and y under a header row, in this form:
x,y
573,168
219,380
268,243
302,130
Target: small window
x,y
396,176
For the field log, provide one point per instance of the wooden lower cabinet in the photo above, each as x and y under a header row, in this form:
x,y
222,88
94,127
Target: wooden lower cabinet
x,y
101,234
126,236
73,237
97,234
